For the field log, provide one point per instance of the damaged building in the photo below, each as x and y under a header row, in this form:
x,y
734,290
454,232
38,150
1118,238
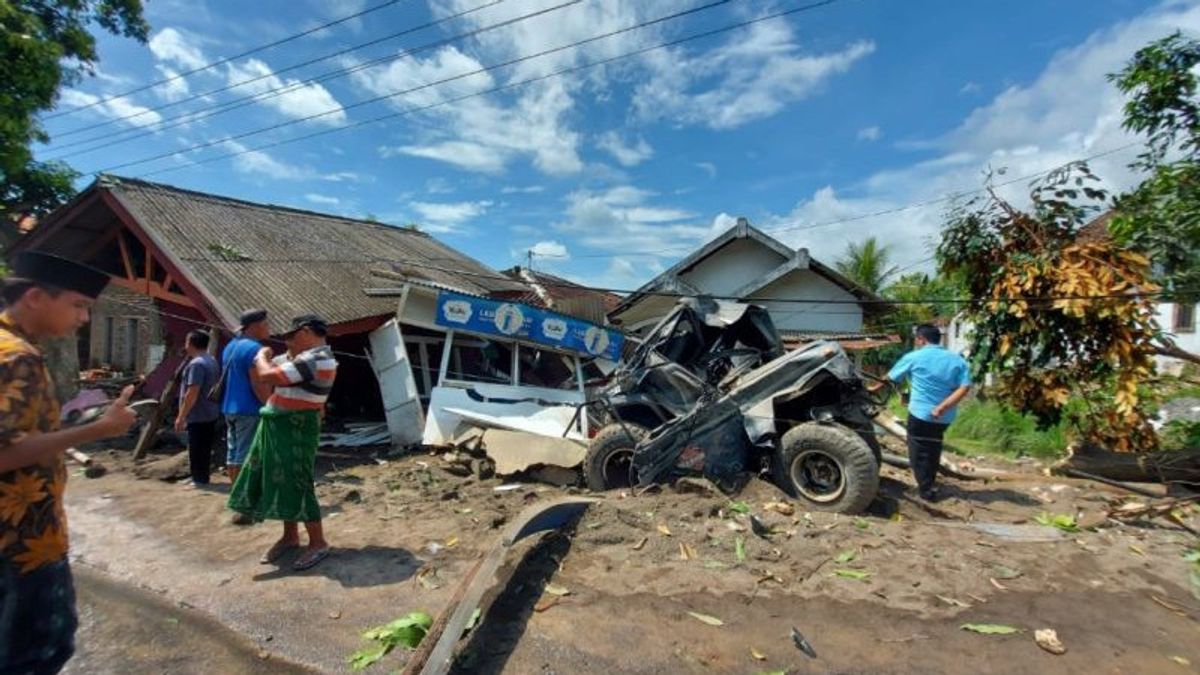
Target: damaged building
x,y
182,260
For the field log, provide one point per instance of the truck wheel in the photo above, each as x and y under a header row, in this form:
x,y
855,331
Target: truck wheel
x,y
829,466
608,464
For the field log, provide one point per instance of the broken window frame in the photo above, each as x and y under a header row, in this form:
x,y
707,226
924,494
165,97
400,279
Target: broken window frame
x,y
450,353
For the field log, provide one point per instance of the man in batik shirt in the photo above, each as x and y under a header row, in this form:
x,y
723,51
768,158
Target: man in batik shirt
x,y
46,297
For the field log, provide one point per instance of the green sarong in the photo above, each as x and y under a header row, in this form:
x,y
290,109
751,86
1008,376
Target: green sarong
x,y
276,480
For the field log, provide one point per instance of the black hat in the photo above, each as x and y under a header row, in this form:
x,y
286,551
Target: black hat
x,y
43,268
252,316
316,323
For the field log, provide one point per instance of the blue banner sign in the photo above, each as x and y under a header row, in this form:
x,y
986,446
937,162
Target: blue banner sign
x,y
524,323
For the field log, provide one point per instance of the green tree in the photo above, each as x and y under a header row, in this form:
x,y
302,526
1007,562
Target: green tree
x,y
867,264
44,46
1161,216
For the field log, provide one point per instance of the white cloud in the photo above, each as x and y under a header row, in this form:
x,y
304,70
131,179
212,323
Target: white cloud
x,y
128,112
346,177
448,217
708,168
754,75
525,190
177,47
1067,112
621,220
550,249
438,186
175,87
464,155
970,88
297,100
323,200
261,163
871,134
626,154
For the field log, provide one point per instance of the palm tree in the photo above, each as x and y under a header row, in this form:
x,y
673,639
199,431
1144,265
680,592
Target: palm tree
x,y
867,264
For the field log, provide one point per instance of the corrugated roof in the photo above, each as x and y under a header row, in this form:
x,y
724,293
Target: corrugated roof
x,y
291,261
565,296
1096,232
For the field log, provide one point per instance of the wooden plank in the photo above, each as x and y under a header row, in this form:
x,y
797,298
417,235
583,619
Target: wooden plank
x,y
125,257
154,290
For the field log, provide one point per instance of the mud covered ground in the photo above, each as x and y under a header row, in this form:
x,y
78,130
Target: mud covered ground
x,y
621,591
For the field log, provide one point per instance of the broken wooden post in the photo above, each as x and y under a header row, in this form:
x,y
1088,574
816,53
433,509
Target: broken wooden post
x,y
151,429
1168,466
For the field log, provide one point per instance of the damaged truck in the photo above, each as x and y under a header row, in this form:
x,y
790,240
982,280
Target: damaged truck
x,y
711,391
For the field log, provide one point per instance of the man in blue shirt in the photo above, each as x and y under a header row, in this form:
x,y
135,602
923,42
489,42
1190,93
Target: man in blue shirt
x,y
244,393
197,414
939,379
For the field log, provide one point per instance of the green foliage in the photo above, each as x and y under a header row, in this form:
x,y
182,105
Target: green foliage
x,y
45,45
1060,521
867,264
1160,216
1192,558
407,631
1180,435
987,427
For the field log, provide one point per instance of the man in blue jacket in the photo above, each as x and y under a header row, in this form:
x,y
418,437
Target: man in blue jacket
x,y
939,379
244,392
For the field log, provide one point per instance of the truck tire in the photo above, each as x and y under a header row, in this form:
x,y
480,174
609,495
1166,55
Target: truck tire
x,y
608,464
828,466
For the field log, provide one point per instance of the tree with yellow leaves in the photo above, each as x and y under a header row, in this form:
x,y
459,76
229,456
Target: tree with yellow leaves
x,y
1058,320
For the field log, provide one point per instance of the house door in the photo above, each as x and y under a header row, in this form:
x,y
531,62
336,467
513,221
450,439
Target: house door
x,y
401,399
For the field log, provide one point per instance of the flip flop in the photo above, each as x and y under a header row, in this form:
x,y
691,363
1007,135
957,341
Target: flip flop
x,y
310,560
277,551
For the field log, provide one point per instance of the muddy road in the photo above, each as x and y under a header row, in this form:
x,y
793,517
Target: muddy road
x,y
623,590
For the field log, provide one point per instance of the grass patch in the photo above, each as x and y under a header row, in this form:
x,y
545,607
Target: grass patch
x,y
989,428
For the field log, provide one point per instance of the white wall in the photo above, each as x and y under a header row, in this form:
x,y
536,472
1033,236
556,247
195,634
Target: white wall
x,y
1186,341
737,264
808,285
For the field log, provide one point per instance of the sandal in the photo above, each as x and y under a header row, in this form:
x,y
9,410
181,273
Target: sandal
x,y
277,551
310,559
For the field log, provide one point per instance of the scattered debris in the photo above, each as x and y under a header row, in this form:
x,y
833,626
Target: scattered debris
x,y
990,628
686,551
641,542
710,620
953,602
508,488
544,604
554,589
782,508
664,530
845,557
757,655
335,614
853,574
1047,639
802,644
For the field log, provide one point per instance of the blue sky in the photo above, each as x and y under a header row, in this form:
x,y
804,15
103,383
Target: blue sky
x,y
610,174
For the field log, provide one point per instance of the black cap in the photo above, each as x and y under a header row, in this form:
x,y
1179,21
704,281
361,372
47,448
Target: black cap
x,y
44,268
252,316
316,323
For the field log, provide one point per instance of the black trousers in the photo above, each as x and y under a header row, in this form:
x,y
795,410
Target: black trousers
x,y
37,619
200,442
924,450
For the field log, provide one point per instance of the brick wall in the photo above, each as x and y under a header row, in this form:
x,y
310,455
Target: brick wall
x,y
125,326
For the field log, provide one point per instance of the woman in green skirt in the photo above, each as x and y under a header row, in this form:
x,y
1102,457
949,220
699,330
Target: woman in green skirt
x,y
276,481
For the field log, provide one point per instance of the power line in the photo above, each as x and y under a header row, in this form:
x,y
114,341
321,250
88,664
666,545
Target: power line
x,y
500,88
214,64
234,104
434,83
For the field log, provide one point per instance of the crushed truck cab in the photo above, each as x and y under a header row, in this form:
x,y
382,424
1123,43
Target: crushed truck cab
x,y
712,392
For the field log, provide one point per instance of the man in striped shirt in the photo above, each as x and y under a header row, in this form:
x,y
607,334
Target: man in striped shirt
x,y
277,480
